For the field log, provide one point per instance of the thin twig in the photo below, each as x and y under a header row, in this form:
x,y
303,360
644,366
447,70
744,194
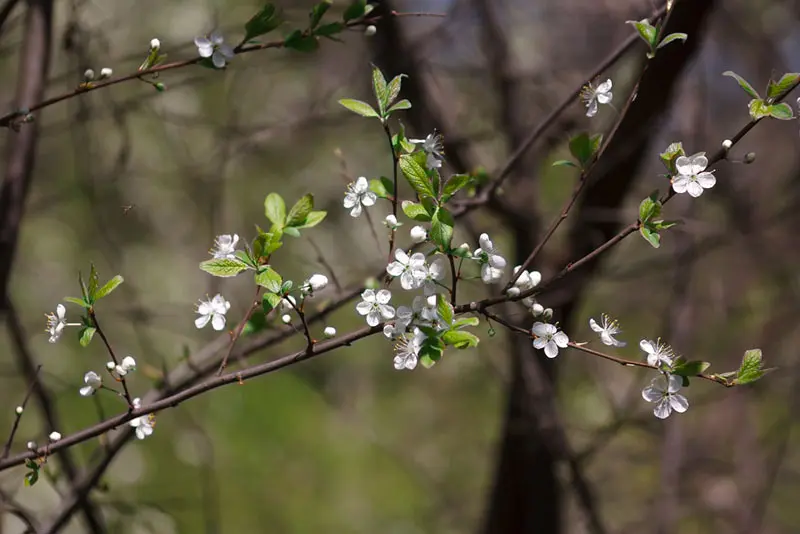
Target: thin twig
x,y
454,275
394,193
102,335
239,330
24,404
306,331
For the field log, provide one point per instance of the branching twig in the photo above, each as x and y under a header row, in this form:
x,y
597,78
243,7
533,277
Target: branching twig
x,y
19,413
239,330
111,353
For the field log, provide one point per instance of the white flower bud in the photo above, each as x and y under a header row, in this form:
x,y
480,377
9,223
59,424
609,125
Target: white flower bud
x,y
513,291
288,303
31,445
110,366
548,314
55,436
537,309
19,410
727,144
286,318
391,221
329,331
106,72
155,44
750,157
418,234
88,75
318,282
464,246
370,30
128,363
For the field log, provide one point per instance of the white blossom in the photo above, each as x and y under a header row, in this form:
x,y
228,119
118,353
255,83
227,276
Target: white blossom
x,y
492,263
592,95
54,436
214,47
664,392
317,282
536,308
155,44
288,303
407,351
88,75
370,30
286,318
56,322
93,383
357,195
127,365
213,310
658,353
432,273
329,331
375,306
727,144
144,424
418,234
106,72
607,329
31,445
225,246
549,338
391,222
432,146
410,269
692,176
525,282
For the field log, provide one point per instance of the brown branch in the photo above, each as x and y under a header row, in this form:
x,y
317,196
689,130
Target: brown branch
x,y
18,414
235,337
110,350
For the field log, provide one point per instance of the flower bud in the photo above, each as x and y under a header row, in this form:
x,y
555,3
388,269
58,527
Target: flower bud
x,y
727,144
110,366
418,234
513,291
537,309
88,75
329,331
106,72
548,314
391,221
370,30
31,445
286,318
55,436
155,44
19,410
318,282
750,157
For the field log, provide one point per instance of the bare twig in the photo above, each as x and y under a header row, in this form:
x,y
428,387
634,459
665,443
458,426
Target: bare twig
x,y
239,329
18,414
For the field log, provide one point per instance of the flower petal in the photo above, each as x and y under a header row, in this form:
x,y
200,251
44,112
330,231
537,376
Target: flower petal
x,y
678,403
218,322
551,349
651,394
591,106
218,59
201,321
706,179
561,339
683,165
680,183
594,326
694,189
662,409
363,308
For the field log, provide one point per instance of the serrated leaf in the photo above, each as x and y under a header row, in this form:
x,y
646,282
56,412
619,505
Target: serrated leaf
x,y
317,12
460,339
415,211
649,207
430,205
378,187
782,111
393,90
444,309
223,267
672,153
93,283
751,368
672,37
743,84
416,176
313,219
79,302
380,89
270,301
442,228
788,81
355,10
357,106
275,209
297,215
269,278
454,184
86,334
758,109
650,236
466,321
403,104
301,42
645,30
692,368
108,287
266,20
563,163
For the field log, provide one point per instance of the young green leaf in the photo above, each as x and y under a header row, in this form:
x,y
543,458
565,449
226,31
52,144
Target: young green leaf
x,y
751,368
672,37
416,176
431,351
466,321
378,187
455,184
663,225
582,147
317,12
270,301
415,211
393,90
442,228
759,109
79,302
108,287
275,209
313,219
329,30
270,279
380,89
403,104
86,334
460,339
357,106
788,81
444,308
563,163
646,31
743,84
355,10
650,207
651,236
782,111
672,153
692,368
301,42
223,267
299,212
94,281
266,20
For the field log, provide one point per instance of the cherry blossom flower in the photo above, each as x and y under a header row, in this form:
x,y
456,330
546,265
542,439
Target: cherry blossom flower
x,y
410,269
93,383
692,177
213,46
144,424
407,351
432,273
664,392
329,331
432,146
549,338
213,310
592,95
492,263
607,329
127,365
225,246
418,234
375,306
56,322
316,282
526,281
357,195
658,353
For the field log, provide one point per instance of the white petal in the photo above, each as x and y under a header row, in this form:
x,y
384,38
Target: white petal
x,y
395,268
591,106
226,51
561,339
356,211
604,97
652,394
350,200
605,86
368,295
361,186
497,261
606,338
706,179
594,326
647,346
387,312
551,349
363,308
218,322
201,321
694,189
401,256
61,311
373,318
540,329
680,183
218,59
485,242
678,403
662,409
675,384
383,296
539,343
699,163
216,38
369,198
86,391
202,42
683,165
205,51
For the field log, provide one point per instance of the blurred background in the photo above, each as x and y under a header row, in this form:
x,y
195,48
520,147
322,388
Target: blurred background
x,y
494,439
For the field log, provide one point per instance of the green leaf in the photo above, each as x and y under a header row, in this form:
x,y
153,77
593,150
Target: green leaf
x,y
693,368
430,205
270,279
782,111
672,153
286,286
31,477
460,339
403,104
466,321
357,106
672,37
415,211
393,90
663,225
300,210
651,236
649,208
759,109
79,302
379,188
743,84
291,231
329,29
776,90
313,219
86,334
442,228
301,42
108,287
256,323
355,10
388,185
582,148
563,163
646,31
751,368
84,291
223,267
444,308
270,301
317,12
262,22
275,209
380,89
416,176
93,283
431,351
454,184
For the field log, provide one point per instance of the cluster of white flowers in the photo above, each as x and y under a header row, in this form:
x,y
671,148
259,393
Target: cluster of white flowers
x,y
492,263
